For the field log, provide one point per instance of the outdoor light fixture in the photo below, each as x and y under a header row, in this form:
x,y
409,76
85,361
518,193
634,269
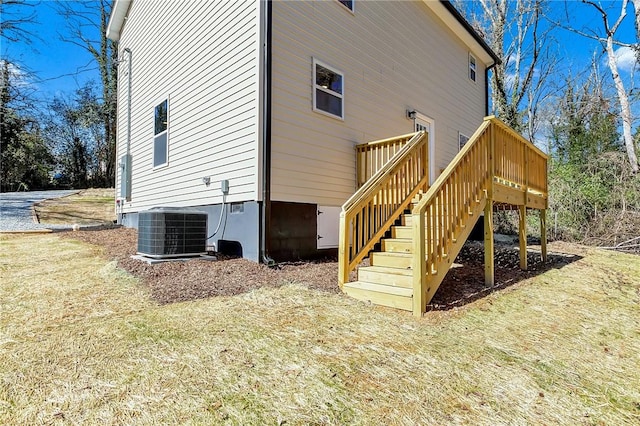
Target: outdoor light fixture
x,y
411,115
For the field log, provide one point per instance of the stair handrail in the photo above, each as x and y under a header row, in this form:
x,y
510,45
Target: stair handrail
x,y
373,194
373,154
365,190
426,250
436,186
387,140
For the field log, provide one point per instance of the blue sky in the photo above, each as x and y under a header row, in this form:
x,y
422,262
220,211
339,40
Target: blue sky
x,y
59,67
62,67
578,50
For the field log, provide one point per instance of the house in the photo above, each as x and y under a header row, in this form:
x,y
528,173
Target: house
x,y
260,113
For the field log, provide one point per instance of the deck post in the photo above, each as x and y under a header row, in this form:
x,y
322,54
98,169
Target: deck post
x,y
522,233
489,270
489,267
343,252
543,234
419,264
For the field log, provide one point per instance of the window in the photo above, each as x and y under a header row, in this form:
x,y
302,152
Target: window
x,y
462,140
349,4
161,134
328,88
472,67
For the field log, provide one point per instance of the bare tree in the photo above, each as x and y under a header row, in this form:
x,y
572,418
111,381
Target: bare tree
x,y
17,17
87,24
608,42
636,8
513,30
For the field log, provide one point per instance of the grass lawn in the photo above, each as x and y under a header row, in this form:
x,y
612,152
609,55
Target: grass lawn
x,y
81,343
87,207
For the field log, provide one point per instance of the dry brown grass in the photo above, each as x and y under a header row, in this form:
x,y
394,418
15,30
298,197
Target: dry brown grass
x,y
88,207
81,343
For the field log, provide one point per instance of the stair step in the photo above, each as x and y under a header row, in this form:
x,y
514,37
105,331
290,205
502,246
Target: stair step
x,y
391,260
379,294
397,245
401,232
387,276
407,219
400,245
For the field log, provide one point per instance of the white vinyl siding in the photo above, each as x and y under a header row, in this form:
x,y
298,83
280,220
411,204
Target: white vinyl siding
x,y
395,56
207,57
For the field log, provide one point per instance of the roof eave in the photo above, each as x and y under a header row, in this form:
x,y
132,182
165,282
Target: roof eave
x,y
446,11
119,10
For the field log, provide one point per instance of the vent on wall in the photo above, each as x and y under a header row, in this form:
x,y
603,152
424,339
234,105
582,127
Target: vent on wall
x,y
170,232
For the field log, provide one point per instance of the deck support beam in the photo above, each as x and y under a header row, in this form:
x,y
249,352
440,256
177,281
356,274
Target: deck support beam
x,y
522,234
343,253
543,234
489,268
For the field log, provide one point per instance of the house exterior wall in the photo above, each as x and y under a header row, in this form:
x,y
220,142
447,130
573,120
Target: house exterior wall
x,y
204,57
238,233
395,56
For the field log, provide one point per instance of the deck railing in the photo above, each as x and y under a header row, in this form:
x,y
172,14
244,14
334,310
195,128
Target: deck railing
x,y
494,152
371,156
517,161
376,205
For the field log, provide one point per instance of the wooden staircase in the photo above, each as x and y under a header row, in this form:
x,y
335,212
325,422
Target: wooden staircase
x,y
411,233
388,280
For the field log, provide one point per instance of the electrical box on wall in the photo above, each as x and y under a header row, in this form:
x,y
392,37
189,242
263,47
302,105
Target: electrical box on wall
x,y
224,186
125,177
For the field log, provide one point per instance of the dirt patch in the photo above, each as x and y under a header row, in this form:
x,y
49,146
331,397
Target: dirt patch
x,y
465,281
196,279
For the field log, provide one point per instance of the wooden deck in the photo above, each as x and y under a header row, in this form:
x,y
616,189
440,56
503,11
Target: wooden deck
x,y
420,229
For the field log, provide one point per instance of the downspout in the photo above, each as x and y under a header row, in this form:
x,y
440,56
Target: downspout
x,y
128,52
265,220
125,162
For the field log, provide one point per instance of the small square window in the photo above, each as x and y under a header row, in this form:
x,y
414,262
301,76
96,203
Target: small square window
x,y
161,134
462,140
328,90
472,67
349,4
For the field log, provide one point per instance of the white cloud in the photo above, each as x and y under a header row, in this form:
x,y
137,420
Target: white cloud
x,y
626,59
17,76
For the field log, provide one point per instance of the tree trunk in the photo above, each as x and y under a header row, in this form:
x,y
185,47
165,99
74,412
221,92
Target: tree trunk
x,y
625,110
636,7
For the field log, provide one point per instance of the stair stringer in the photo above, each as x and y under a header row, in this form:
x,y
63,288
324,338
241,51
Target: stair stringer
x,y
461,234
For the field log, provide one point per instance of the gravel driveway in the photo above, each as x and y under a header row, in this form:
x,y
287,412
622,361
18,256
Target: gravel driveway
x,y
16,210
